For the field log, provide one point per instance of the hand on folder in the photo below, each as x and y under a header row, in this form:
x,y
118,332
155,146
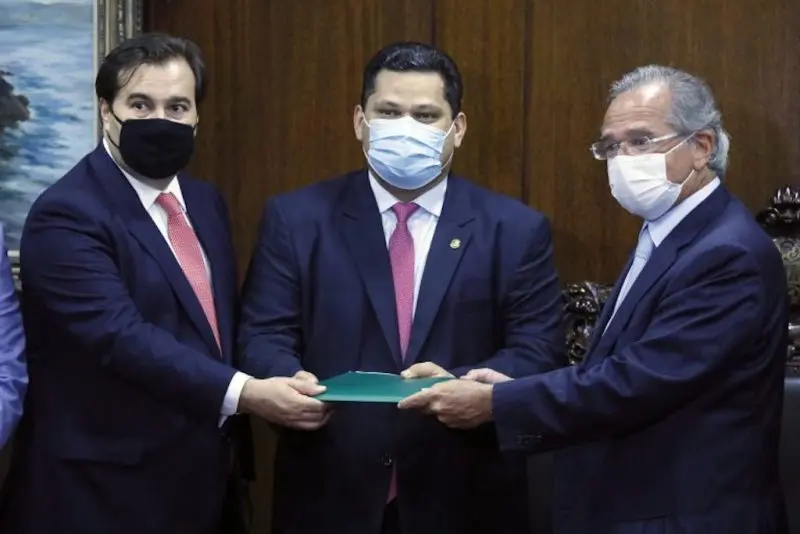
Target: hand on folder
x,y
425,370
487,376
287,401
456,403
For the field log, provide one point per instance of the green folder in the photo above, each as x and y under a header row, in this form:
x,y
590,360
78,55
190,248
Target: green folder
x,y
358,386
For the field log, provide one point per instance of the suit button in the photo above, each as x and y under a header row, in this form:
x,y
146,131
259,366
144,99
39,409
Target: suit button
x,y
387,460
526,440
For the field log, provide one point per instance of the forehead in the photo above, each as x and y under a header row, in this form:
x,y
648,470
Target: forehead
x,y
643,109
173,79
410,88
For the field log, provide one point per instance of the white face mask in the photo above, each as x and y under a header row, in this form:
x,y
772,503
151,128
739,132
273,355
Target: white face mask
x,y
404,152
640,184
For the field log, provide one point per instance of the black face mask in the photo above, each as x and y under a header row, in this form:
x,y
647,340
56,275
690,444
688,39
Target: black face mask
x,y
155,148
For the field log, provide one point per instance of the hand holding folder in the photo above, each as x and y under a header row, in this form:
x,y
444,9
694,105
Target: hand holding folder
x,y
359,386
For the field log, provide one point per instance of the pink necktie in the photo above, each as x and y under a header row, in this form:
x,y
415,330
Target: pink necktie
x,y
401,254
190,256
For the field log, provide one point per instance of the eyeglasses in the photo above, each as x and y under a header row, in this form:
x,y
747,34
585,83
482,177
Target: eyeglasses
x,y
602,150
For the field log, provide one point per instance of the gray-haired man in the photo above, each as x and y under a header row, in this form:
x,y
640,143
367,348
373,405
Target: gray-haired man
x,y
673,419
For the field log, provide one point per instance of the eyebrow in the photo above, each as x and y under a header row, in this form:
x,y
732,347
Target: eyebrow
x,y
387,104
635,132
428,107
172,99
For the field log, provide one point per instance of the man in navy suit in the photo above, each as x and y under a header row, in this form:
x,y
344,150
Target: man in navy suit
x,y
129,305
13,371
403,267
673,419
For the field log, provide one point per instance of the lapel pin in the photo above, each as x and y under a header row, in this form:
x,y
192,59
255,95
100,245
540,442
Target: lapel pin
x,y
455,243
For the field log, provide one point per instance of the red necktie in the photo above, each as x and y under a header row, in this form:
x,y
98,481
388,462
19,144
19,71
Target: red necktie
x,y
401,255
190,256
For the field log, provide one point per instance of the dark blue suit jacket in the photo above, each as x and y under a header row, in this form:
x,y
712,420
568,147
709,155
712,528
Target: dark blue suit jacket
x,y
673,420
319,296
120,432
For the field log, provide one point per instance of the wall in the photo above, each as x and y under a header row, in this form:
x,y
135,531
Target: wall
x,y
286,74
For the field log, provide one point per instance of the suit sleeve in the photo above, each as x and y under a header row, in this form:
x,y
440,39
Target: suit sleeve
x,y
692,342
69,271
270,336
532,308
13,371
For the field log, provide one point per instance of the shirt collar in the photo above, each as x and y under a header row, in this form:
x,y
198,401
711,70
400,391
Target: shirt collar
x,y
431,200
660,228
147,189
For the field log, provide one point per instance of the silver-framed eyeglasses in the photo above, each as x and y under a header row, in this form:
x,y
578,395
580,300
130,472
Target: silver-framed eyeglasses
x,y
602,150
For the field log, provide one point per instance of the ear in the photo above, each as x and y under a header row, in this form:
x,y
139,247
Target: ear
x,y
460,129
358,123
704,142
105,111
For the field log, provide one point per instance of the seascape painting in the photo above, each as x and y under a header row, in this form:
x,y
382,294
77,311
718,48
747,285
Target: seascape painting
x,y
47,103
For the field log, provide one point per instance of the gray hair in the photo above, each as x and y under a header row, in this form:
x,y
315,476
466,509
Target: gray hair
x,y
692,106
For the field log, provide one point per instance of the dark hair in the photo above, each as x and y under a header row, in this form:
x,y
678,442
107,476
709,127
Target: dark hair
x,y
415,57
147,49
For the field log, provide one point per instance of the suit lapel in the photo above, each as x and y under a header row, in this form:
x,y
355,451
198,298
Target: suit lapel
x,y
450,241
209,232
608,308
661,260
362,230
129,208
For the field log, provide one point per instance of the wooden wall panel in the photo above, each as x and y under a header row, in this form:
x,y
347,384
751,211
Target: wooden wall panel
x,y
487,41
749,57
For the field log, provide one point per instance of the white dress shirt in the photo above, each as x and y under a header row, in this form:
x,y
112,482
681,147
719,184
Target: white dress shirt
x,y
148,191
421,224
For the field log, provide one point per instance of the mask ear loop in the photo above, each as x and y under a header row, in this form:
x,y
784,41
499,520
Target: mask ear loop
x,y
452,152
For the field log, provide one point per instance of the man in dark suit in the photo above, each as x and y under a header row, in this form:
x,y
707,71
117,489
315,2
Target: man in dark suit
x,y
401,267
129,305
673,419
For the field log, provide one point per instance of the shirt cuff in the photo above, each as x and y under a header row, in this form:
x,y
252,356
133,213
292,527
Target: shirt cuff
x,y
230,404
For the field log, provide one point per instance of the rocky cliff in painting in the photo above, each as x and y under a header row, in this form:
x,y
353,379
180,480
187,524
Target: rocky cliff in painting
x,y
13,107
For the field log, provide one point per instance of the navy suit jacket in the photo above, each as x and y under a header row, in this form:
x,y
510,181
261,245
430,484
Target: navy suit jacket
x,y
319,296
120,432
673,419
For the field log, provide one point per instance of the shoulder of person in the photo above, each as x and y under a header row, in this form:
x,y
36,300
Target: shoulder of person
x,y
504,208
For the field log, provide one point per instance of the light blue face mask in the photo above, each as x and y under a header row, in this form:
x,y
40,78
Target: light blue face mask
x,y
405,153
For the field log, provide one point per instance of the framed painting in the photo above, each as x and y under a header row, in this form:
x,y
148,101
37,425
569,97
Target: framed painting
x,y
49,54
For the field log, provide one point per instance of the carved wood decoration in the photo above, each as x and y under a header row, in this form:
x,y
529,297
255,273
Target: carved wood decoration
x,y
583,304
781,219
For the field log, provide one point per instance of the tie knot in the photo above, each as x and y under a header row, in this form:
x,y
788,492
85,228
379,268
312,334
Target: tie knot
x,y
170,204
645,246
404,210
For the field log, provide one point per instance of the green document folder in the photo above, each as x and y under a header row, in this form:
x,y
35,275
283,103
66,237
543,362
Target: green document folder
x,y
358,386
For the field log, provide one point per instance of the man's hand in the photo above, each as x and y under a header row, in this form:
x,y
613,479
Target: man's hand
x,y
305,376
456,403
486,376
425,370
286,401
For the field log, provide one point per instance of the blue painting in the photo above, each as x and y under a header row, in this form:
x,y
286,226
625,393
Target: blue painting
x,y
47,103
